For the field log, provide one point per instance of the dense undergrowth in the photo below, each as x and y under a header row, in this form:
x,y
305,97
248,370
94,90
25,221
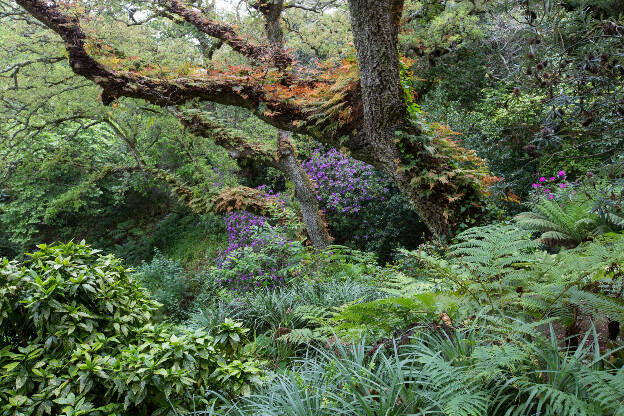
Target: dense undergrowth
x,y
517,317
513,318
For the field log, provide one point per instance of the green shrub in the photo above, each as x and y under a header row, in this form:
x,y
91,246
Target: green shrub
x,y
77,337
340,263
321,281
166,281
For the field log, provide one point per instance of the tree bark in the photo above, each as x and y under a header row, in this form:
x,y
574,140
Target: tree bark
x,y
285,160
375,38
312,216
272,12
375,26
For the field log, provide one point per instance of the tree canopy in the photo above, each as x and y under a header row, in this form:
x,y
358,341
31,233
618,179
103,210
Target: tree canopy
x,y
356,105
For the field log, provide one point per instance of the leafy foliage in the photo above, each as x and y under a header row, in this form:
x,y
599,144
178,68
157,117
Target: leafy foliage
x,y
460,372
78,338
166,281
569,285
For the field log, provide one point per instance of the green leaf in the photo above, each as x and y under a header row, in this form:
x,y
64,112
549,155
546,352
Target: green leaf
x,y
11,366
161,372
20,381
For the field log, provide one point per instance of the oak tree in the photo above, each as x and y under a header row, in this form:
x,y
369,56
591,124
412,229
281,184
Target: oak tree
x,y
363,107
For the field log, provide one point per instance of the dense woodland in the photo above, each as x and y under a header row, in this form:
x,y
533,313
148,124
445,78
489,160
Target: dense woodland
x,y
312,207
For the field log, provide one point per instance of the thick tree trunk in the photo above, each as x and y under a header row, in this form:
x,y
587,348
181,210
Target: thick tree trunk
x,y
272,12
375,37
375,26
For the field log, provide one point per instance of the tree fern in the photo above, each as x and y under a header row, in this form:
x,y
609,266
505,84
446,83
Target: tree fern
x,y
505,269
569,223
583,278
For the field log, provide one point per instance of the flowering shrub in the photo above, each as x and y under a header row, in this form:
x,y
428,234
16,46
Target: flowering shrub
x,y
363,208
259,255
344,184
547,186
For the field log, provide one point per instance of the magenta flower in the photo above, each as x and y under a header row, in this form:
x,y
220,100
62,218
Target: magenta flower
x,y
546,190
552,178
562,185
551,196
561,173
542,179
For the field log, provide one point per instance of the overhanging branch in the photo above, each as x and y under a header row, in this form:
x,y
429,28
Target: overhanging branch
x,y
238,146
242,91
228,35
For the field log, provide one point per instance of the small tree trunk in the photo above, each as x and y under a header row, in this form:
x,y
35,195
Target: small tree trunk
x,y
305,193
313,218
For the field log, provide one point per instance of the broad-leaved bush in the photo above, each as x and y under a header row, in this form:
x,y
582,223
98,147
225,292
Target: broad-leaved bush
x,y
77,337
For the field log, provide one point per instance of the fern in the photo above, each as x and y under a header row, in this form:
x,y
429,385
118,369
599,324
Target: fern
x,y
399,284
569,223
493,251
503,268
584,278
301,336
397,313
604,387
615,219
497,367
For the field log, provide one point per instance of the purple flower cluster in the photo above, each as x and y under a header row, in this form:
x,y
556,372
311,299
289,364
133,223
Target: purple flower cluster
x,y
239,227
258,255
278,197
543,185
344,184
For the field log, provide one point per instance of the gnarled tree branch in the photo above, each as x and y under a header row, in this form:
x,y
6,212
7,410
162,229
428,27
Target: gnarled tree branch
x,y
225,33
238,146
241,91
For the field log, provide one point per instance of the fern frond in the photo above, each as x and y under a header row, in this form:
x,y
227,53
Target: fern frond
x,y
301,336
555,236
